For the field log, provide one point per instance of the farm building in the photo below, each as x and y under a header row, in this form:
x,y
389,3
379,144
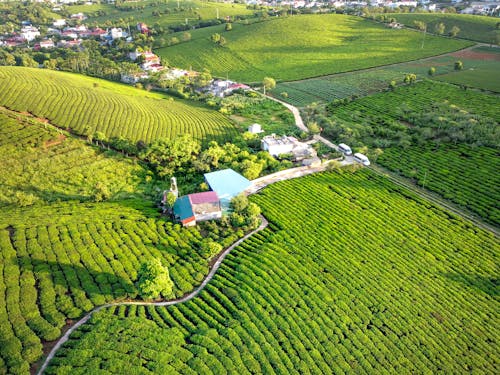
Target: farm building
x,y
227,184
255,129
193,208
288,145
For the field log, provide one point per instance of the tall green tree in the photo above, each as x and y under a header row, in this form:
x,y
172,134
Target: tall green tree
x,y
154,280
268,83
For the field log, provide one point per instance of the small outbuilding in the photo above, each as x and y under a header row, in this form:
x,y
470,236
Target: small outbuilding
x,y
193,208
183,212
255,129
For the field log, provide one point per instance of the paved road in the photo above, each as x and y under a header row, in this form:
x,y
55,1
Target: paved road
x,y
187,297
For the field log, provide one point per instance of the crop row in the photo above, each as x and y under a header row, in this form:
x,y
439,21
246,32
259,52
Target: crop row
x,y
70,101
355,275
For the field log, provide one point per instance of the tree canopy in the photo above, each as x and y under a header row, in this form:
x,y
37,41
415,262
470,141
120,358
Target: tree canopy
x,y
154,280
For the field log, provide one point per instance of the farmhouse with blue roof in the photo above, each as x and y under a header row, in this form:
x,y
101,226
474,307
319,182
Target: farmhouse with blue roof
x,y
227,184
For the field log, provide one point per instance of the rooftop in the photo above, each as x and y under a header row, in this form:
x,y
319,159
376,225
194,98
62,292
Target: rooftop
x,y
227,183
205,197
182,208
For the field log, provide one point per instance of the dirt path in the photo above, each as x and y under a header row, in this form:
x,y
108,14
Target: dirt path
x,y
187,297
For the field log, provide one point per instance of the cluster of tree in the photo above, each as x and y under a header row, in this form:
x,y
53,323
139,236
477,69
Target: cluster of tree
x,y
93,59
183,155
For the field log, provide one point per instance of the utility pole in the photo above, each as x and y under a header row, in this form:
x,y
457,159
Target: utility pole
x,y
217,13
423,40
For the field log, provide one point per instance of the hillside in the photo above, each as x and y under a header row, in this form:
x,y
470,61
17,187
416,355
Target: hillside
x,y
164,13
478,28
353,275
74,229
480,64
87,105
325,44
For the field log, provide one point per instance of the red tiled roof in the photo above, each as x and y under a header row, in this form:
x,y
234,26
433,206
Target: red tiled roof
x,y
205,197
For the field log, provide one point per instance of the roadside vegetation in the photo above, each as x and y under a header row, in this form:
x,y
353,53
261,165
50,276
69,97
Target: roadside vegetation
x,y
333,43
432,132
387,283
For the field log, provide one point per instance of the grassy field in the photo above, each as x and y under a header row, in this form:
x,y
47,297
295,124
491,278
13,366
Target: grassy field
x,y
326,44
480,66
444,137
354,275
142,11
87,105
63,250
478,28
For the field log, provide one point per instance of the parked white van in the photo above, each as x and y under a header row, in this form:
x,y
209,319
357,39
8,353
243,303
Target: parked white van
x,y
360,158
345,149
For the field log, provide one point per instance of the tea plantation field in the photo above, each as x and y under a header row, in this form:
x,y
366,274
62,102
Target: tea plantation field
x,y
444,137
88,105
354,275
61,253
480,65
478,28
326,44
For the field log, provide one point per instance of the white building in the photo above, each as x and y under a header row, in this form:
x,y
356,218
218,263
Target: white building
x,y
288,145
255,129
59,23
29,33
117,33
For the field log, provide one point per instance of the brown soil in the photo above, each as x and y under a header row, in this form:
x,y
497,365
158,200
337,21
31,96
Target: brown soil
x,y
238,119
60,138
473,55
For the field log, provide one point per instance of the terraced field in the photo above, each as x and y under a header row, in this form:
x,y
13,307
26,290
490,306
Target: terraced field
x,y
40,165
478,28
353,275
88,105
480,65
61,259
326,44
445,137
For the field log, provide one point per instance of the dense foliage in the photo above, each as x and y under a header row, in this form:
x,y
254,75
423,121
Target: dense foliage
x,y
39,164
327,44
353,275
88,105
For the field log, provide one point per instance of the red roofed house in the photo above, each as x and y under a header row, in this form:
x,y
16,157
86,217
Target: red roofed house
x,y
192,208
205,206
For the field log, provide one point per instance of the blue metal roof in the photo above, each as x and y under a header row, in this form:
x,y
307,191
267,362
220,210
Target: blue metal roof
x,y
227,183
182,208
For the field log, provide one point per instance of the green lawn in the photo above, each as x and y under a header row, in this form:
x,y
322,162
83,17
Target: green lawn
x,y
86,105
302,46
354,275
478,28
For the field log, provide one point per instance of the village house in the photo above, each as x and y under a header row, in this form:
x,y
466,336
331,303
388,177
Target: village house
x,y
59,23
142,28
197,207
44,44
134,77
29,33
300,151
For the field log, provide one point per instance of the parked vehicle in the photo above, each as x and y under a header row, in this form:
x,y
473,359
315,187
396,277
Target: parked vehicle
x,y
360,158
345,149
